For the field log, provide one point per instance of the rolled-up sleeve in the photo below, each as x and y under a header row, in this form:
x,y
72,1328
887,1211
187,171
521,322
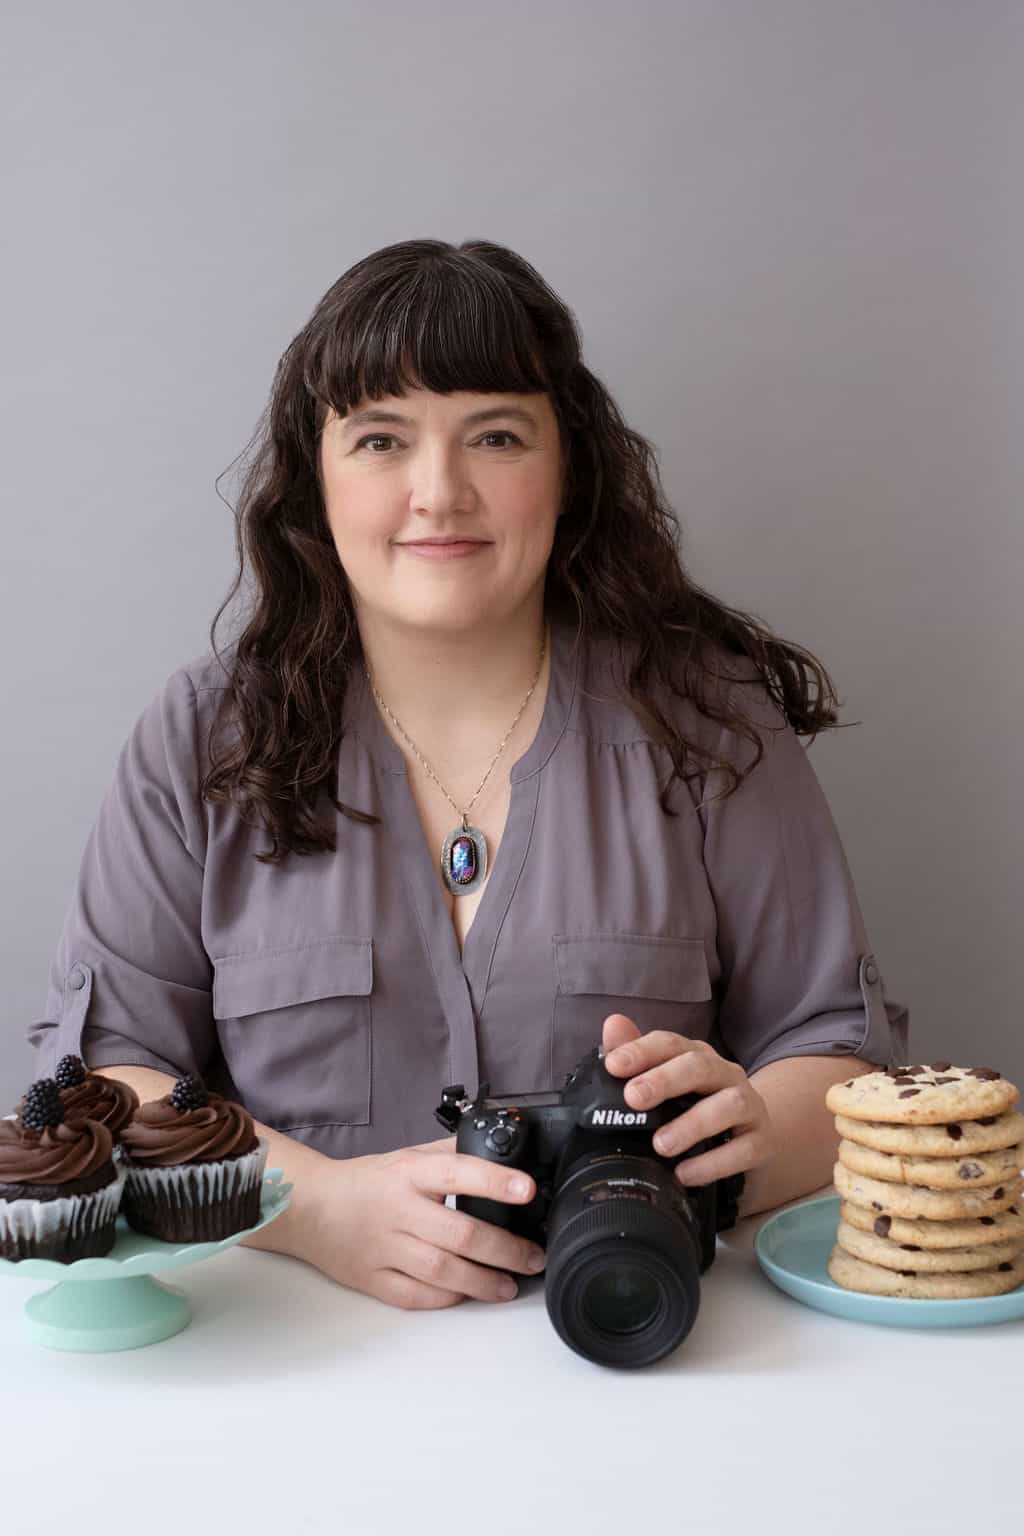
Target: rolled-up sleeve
x,y
799,977
131,982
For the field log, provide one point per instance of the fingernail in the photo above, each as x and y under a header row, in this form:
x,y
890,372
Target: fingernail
x,y
621,1057
662,1143
507,1289
535,1262
519,1187
640,1092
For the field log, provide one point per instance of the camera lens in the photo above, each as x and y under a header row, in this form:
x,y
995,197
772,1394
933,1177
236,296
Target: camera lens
x,y
621,1298
622,1282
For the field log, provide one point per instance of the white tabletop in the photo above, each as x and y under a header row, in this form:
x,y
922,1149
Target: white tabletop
x,y
290,1404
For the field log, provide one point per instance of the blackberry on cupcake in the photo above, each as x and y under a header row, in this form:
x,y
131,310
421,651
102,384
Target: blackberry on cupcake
x,y
60,1188
194,1165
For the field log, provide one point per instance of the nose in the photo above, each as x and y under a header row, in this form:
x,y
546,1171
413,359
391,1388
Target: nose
x,y
440,481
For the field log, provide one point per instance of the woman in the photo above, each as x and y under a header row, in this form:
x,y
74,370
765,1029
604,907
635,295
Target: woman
x,y
483,780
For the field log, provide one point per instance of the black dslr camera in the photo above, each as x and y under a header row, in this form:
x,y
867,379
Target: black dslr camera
x,y
625,1241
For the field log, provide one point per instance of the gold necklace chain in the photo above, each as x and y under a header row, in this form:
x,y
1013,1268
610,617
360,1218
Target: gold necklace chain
x,y
497,754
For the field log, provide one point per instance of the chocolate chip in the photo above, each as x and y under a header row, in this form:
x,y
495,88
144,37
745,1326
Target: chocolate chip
x,y
908,1093
941,1066
1005,1268
849,1084
987,1074
875,1205
997,1194
893,1071
987,1221
911,1247
1012,1210
911,1272
969,1171
882,1225
954,1131
938,1080
989,1120
904,1078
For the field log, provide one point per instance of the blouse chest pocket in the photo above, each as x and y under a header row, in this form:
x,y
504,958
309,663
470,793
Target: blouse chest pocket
x,y
660,983
294,1027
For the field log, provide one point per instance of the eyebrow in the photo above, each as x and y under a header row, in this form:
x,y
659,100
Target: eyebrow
x,y
492,413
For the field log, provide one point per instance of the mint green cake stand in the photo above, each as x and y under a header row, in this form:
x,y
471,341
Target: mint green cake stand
x,y
113,1302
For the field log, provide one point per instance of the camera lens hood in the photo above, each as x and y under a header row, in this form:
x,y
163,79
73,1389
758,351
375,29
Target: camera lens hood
x,y
622,1280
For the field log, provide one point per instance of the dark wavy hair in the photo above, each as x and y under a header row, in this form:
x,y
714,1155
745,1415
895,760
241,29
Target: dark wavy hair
x,y
474,317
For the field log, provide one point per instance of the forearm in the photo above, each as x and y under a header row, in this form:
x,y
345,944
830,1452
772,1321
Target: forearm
x,y
794,1090
291,1231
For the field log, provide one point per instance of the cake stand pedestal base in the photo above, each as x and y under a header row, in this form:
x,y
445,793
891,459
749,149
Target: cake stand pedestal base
x,y
93,1315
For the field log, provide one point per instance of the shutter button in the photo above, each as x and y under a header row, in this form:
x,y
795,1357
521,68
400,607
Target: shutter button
x,y
77,979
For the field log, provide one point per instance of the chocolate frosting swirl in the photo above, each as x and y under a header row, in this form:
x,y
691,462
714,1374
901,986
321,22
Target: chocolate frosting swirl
x,y
103,1099
59,1154
161,1136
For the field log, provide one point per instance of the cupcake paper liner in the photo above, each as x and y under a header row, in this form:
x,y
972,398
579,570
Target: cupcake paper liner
x,y
196,1202
68,1228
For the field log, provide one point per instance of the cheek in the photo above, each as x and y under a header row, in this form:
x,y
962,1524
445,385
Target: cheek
x,y
362,528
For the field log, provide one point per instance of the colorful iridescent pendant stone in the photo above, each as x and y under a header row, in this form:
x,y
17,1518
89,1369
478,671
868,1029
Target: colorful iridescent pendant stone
x,y
464,859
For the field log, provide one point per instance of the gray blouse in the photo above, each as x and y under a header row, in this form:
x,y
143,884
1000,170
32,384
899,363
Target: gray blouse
x,y
328,993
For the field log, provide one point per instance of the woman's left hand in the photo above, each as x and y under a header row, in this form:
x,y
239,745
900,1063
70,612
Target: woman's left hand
x,y
661,1065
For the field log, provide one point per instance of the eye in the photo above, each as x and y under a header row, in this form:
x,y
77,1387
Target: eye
x,y
387,437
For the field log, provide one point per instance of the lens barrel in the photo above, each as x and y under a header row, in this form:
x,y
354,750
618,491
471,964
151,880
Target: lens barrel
x,y
622,1279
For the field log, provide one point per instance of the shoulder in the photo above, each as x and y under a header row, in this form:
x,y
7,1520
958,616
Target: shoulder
x,y
732,685
207,673
172,728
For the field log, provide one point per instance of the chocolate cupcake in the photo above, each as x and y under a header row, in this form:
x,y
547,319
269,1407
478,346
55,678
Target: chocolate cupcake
x,y
59,1186
194,1166
85,1095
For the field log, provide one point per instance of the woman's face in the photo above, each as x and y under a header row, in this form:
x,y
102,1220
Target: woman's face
x,y
422,467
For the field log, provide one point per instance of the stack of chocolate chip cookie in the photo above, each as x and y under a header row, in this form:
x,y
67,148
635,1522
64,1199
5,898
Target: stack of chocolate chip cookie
x,y
929,1174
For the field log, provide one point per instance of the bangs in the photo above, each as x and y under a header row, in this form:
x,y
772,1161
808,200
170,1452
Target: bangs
x,y
446,324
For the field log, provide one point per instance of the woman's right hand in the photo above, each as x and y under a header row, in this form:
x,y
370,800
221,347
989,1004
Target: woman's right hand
x,y
381,1226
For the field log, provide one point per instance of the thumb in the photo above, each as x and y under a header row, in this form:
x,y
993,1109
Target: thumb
x,y
442,1144
617,1030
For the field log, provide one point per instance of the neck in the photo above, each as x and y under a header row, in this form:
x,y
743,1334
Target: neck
x,y
460,688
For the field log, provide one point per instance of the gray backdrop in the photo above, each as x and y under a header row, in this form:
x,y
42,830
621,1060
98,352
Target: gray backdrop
x,y
791,233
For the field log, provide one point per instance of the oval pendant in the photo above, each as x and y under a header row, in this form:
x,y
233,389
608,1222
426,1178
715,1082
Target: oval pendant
x,y
464,860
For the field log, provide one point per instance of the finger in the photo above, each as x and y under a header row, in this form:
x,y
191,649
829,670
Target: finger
x,y
400,1290
736,1156
481,1241
650,1050
616,1030
460,1173
447,1272
691,1071
717,1112
442,1144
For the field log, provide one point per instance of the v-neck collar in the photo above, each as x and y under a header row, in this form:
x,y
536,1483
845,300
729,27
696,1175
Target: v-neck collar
x,y
462,976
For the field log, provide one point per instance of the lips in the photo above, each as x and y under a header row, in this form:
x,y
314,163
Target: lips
x,y
445,549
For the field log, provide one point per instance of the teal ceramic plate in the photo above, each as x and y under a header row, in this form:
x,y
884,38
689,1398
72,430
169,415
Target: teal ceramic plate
x,y
793,1247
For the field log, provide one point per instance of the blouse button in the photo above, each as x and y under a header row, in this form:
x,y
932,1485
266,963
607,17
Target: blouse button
x,y
77,979
871,972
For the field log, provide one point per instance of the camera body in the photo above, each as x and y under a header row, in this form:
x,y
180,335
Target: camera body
x,y
625,1240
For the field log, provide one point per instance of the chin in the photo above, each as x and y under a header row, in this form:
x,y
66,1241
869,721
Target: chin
x,y
443,619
